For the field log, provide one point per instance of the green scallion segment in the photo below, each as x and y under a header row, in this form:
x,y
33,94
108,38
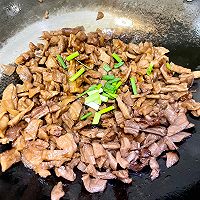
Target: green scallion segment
x,y
86,116
149,69
99,86
116,57
93,87
92,97
96,118
104,98
168,66
107,68
134,87
105,110
72,56
77,74
108,77
117,65
114,80
110,95
61,61
118,84
109,88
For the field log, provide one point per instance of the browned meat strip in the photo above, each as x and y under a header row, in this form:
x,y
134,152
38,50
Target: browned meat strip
x,y
123,108
172,158
155,168
8,158
57,191
87,154
179,136
65,172
93,185
178,125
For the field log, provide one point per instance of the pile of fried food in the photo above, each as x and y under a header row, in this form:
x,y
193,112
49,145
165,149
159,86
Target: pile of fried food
x,y
95,103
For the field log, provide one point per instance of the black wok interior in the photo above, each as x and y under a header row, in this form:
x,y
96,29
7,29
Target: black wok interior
x,y
177,27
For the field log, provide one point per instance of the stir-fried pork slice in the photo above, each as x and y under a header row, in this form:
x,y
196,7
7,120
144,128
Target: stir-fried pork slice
x,y
67,120
39,112
196,74
122,162
170,114
81,166
157,148
93,185
154,167
172,158
123,108
66,142
175,88
125,146
178,69
31,130
123,176
57,191
56,155
82,124
119,117
98,150
170,144
112,160
24,73
90,169
8,158
90,133
180,123
18,117
65,172
131,127
87,154
14,132
132,156
9,101
156,130
74,110
150,139
179,136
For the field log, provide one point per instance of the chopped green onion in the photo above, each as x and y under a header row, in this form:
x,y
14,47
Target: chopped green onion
x,y
114,80
72,56
149,69
134,87
110,95
93,87
97,117
118,84
86,116
109,88
61,61
168,66
95,91
108,77
93,105
118,64
92,98
105,110
104,98
116,57
99,86
77,74
107,68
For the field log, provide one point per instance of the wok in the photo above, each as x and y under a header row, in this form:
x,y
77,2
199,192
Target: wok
x,y
173,24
